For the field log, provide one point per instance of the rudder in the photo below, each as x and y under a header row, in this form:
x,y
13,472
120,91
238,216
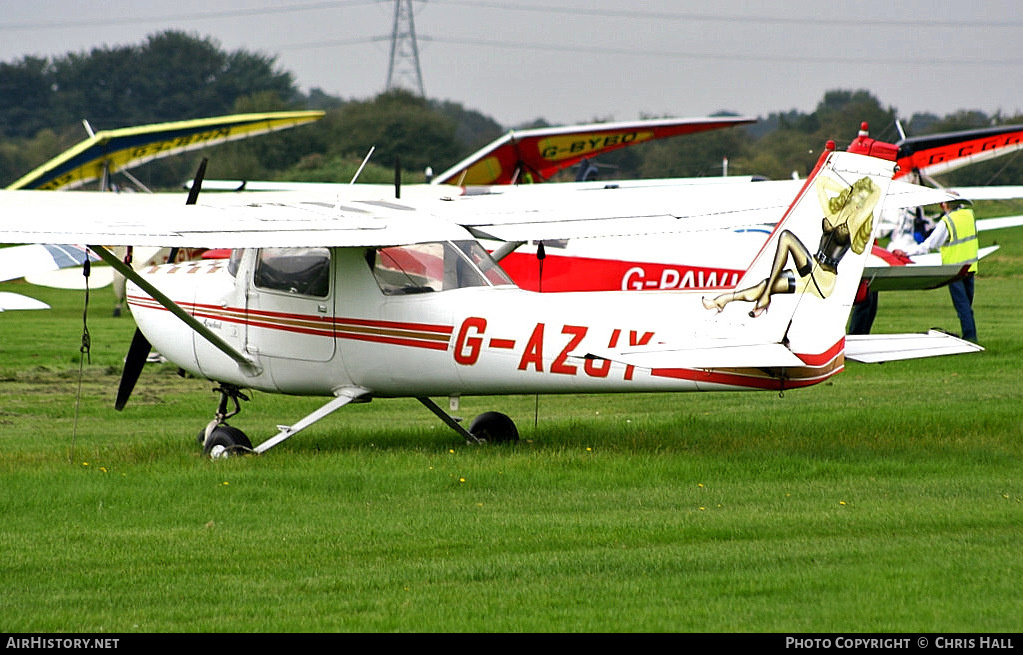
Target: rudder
x,y
805,277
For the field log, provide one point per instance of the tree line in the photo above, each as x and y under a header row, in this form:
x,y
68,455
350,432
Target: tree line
x,y
176,76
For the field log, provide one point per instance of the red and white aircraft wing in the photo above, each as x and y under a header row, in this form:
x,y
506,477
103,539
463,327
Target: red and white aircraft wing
x,y
933,154
535,155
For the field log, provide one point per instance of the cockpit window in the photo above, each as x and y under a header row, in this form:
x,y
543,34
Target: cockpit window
x,y
299,271
426,267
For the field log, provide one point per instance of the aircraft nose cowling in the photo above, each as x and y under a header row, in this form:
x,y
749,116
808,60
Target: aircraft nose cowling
x,y
204,290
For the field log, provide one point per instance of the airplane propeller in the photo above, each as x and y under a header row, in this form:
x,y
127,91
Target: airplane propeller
x,y
138,351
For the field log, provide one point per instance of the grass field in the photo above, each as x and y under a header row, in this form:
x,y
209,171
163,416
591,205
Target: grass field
x,y
889,499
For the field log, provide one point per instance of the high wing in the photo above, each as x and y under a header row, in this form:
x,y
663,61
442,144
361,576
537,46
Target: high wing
x,y
110,151
934,154
280,220
535,155
163,220
548,212
270,219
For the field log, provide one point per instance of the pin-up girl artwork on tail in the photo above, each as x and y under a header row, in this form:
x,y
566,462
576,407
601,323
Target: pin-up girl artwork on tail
x,y
848,223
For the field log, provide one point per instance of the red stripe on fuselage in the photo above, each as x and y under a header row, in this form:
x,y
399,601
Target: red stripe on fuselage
x,y
420,335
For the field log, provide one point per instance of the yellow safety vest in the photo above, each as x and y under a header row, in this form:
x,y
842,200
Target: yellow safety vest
x,y
961,247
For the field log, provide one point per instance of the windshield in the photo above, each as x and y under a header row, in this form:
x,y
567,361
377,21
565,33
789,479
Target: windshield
x,y
441,266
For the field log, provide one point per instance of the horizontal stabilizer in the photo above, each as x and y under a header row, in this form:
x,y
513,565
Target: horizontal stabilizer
x,y
73,278
706,355
20,261
904,194
11,301
994,192
876,348
999,223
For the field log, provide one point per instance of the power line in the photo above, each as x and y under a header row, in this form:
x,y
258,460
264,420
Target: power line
x,y
815,59
859,21
197,16
758,19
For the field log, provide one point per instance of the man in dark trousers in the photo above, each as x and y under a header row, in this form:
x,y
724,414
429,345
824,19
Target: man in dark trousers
x,y
956,235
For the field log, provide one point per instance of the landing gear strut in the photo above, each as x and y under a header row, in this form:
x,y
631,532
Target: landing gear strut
x,y
488,427
219,439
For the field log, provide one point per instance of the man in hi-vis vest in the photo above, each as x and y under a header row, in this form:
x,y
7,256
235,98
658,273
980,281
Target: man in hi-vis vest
x,y
956,235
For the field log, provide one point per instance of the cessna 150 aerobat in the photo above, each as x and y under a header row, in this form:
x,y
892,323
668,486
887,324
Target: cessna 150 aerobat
x,y
377,299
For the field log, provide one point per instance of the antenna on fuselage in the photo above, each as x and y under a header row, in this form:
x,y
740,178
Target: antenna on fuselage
x,y
397,178
363,164
541,254
365,160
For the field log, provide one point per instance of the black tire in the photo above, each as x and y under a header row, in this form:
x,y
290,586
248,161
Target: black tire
x,y
233,441
494,427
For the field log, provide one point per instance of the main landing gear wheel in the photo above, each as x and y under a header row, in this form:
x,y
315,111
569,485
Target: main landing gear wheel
x,y
225,441
493,427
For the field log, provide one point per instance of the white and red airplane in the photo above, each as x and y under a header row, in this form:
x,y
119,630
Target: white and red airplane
x,y
378,299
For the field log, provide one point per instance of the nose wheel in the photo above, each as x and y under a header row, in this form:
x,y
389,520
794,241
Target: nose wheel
x,y
218,439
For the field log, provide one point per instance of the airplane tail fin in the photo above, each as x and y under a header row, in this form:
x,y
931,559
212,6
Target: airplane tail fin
x,y
783,324
802,284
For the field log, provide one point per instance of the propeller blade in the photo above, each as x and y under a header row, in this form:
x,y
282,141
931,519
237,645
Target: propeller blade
x,y
133,364
193,197
140,347
200,174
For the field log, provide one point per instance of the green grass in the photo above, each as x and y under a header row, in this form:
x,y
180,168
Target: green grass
x,y
887,500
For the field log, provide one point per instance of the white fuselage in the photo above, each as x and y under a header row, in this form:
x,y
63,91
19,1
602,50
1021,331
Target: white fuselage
x,y
462,341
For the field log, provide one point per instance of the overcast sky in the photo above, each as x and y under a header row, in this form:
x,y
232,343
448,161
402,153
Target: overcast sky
x,y
571,61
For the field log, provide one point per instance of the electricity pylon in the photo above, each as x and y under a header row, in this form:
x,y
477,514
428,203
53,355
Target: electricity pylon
x,y
404,65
